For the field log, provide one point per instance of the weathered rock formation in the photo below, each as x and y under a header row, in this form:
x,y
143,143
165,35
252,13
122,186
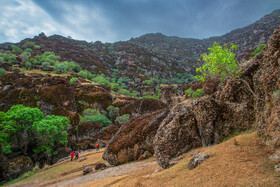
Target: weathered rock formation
x,y
134,138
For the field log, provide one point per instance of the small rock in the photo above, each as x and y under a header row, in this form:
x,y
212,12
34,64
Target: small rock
x,y
277,167
87,170
172,162
197,160
100,166
275,157
157,171
82,159
235,142
146,155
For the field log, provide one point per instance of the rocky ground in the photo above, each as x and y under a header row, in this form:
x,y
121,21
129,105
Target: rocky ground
x,y
239,161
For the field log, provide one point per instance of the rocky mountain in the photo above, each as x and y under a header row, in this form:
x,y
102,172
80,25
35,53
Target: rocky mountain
x,y
156,54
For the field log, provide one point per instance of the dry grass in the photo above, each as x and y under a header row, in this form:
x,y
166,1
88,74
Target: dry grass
x,y
240,161
244,164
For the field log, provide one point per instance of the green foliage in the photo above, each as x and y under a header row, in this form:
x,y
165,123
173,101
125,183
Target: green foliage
x,y
86,74
90,112
73,80
37,47
51,131
122,119
22,125
1,61
47,57
46,66
72,67
30,45
124,92
28,64
28,50
113,111
101,80
219,62
98,118
25,56
60,68
115,86
16,50
198,93
8,57
258,50
2,72
148,82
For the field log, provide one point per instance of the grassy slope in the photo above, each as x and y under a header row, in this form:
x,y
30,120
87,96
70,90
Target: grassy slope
x,y
245,164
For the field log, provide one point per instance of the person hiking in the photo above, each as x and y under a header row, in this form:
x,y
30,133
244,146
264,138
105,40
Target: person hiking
x,y
72,155
76,155
97,146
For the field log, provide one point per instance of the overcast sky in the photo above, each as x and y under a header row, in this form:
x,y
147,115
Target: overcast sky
x,y
115,20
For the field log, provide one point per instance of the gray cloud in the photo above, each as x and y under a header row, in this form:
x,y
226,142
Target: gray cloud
x,y
114,20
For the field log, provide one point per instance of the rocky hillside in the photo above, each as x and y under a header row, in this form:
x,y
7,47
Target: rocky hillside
x,y
251,101
156,54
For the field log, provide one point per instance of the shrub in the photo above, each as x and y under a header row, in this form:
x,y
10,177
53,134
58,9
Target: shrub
x,y
28,50
198,93
25,56
90,112
28,64
73,80
99,118
28,125
113,111
2,61
2,72
122,119
60,68
46,66
219,62
28,45
16,50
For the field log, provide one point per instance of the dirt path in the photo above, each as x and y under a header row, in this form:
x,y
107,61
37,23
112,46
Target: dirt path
x,y
111,172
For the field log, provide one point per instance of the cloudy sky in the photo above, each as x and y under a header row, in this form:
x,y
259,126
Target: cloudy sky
x,y
115,20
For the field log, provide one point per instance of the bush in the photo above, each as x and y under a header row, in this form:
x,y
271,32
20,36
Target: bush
x,y
46,66
258,50
198,93
122,119
16,50
113,111
90,112
219,63
28,64
28,45
2,61
73,80
29,126
2,72
60,68
99,118
25,56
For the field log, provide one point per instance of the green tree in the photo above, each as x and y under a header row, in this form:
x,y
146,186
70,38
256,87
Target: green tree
x,y
98,118
50,131
219,62
73,80
25,56
46,66
60,68
113,112
122,119
28,45
2,72
16,50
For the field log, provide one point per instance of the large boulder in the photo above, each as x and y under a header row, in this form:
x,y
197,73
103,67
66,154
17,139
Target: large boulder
x,y
267,86
62,152
87,131
16,167
142,106
134,138
177,134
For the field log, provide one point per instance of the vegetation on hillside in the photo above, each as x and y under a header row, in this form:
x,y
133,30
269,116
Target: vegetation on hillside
x,y
26,130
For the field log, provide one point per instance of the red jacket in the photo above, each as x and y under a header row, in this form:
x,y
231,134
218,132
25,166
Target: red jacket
x,y
72,154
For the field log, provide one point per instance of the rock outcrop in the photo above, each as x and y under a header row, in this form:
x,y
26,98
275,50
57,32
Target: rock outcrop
x,y
134,138
16,167
197,160
177,134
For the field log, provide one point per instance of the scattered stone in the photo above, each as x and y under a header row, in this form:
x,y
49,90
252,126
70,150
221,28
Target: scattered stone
x,y
82,159
197,160
146,155
275,157
87,170
100,166
157,171
235,142
277,167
